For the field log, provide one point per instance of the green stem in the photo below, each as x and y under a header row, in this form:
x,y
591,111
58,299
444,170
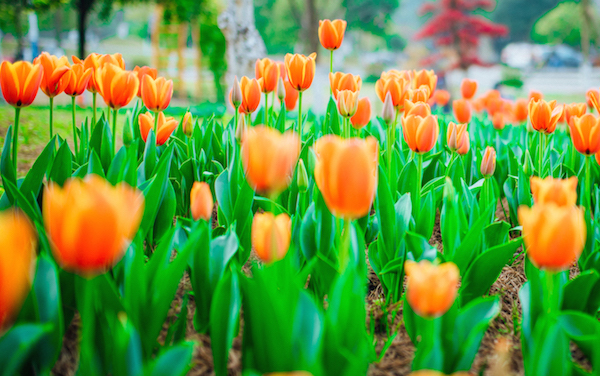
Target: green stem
x,y
51,117
417,210
330,69
391,142
345,246
94,110
452,158
73,109
266,109
115,112
588,182
236,119
300,117
155,125
540,156
16,137
550,298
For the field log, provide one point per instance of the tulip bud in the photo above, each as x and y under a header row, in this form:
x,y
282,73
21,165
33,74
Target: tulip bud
x,y
449,190
236,93
431,288
312,160
302,177
347,103
528,165
562,192
187,125
271,236
280,90
127,133
241,128
388,109
488,163
201,201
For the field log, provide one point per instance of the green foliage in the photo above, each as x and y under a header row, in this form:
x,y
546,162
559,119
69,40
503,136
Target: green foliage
x,y
520,15
372,16
561,25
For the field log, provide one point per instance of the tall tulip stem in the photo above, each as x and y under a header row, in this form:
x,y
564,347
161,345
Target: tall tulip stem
x,y
330,69
549,295
588,182
300,116
16,137
417,210
155,124
73,109
93,110
51,116
344,251
115,112
391,142
540,155
267,109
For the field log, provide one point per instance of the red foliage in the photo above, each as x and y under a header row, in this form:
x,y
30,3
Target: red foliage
x,y
453,25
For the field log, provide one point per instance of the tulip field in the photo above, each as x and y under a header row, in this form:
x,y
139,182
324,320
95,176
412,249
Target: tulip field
x,y
442,235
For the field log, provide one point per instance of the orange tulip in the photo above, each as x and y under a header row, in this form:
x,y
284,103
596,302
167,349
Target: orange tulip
x,y
250,89
235,94
554,235
282,70
77,80
424,78
331,33
346,174
291,96
363,113
92,61
347,103
55,69
462,110
488,162
187,124
271,236
269,158
115,59
521,110
585,134
536,95
544,115
90,223
395,83
574,110
457,135
20,82
421,94
201,201
468,88
431,289
300,70
344,81
156,94
17,262
441,97
562,192
165,126
593,99
117,86
466,145
421,109
498,121
478,104
420,133
141,72
268,70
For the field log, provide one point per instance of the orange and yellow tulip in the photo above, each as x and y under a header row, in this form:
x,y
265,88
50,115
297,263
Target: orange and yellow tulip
x,y
521,110
141,72
250,89
488,162
544,115
156,94
431,289
271,236
78,80
346,174
535,95
424,78
165,126
592,97
331,33
462,110
562,192
498,121
441,97
300,70
421,94
17,263
457,136
117,86
347,103
344,81
397,84
585,134
465,146
420,133
574,110
269,158
90,222
268,70
201,201
291,96
362,116
421,109
55,68
468,88
554,235
187,124
92,61
20,82
115,59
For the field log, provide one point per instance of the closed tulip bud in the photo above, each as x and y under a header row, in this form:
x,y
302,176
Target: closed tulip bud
x,y
457,135
116,86
562,192
187,124
269,158
271,236
344,81
268,70
441,97
535,95
20,82
201,201
300,70
331,33
593,99
312,160
156,93
240,129
291,96
554,235
127,133
55,69
574,110
488,163
431,289
90,223
389,112
465,146
280,90
421,94
77,80
449,190
347,103
251,92
17,263
346,174
521,110
585,134
235,95
165,126
144,71
498,121
420,133
302,177
544,115
425,78
396,84
462,110
528,167
468,88
362,116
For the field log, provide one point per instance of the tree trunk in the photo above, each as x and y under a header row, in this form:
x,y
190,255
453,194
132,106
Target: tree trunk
x,y
586,24
58,27
82,17
19,30
311,27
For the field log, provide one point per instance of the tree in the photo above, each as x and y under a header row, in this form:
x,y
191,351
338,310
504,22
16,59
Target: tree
x,y
454,26
560,25
519,16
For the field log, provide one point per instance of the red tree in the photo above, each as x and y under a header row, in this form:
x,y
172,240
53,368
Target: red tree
x,y
454,26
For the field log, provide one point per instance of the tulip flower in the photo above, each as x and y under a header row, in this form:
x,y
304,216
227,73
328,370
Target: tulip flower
x,y
468,88
431,289
291,96
561,192
347,103
156,95
462,110
396,84
488,162
250,89
457,136
164,125
271,236
464,148
17,263
269,158
235,94
363,113
331,35
54,80
421,109
20,83
201,201
77,80
280,90
300,71
421,94
554,235
115,59
424,78
574,110
585,134
187,124
92,61
498,121
535,95
90,222
441,97
420,133
144,71
344,81
544,115
593,99
267,70
521,110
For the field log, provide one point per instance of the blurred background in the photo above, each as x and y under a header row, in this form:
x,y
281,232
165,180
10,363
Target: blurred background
x,y
513,45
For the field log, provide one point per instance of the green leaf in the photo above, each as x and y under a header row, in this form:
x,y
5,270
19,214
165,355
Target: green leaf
x,y
579,291
175,361
16,345
62,165
7,167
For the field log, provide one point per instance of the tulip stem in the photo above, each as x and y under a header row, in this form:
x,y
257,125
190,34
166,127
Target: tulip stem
x,y
540,156
73,109
549,296
417,210
267,109
16,137
330,69
391,142
588,183
300,116
156,125
345,245
51,110
93,110
115,112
